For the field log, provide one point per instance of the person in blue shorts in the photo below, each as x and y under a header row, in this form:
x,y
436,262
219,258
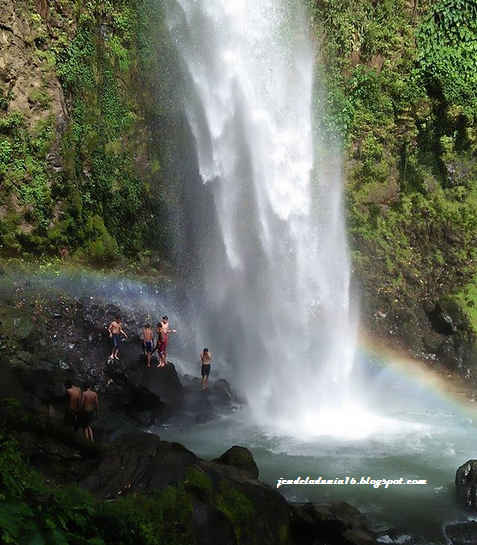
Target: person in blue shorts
x,y
148,340
115,333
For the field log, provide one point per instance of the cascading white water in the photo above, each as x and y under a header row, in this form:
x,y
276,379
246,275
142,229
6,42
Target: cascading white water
x,y
275,273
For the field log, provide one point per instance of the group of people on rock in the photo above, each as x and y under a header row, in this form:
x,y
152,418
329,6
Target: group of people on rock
x,y
83,405
162,330
149,347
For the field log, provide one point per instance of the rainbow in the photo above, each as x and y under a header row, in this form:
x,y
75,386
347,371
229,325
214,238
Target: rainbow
x,y
449,389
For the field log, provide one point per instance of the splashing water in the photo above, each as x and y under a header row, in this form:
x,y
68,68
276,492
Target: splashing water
x,y
273,268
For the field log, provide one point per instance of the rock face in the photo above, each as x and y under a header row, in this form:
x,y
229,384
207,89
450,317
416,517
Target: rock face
x,y
239,457
137,463
336,523
229,505
48,338
464,533
466,482
30,81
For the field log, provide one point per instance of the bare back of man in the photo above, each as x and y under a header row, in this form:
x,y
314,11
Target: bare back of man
x,y
74,394
75,399
90,405
148,341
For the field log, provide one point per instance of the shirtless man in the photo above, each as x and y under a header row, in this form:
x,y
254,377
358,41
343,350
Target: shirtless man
x,y
90,403
166,329
115,332
161,345
75,399
148,340
205,358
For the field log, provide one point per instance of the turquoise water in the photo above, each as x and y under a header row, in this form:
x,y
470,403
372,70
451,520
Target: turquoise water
x,y
423,443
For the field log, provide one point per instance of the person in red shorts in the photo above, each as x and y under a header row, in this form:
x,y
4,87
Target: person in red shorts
x,y
166,330
161,345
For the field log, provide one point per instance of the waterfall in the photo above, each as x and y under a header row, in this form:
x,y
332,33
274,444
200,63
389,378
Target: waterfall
x,y
266,225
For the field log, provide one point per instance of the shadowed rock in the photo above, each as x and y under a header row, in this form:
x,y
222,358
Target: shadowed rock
x,y
138,462
466,482
464,533
334,523
239,457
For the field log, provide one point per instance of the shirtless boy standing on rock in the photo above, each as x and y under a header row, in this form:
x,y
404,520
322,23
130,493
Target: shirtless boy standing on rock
x,y
115,332
166,330
89,406
75,399
161,345
148,339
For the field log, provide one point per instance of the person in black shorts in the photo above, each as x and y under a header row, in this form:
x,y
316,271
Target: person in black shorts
x,y
205,358
89,409
75,400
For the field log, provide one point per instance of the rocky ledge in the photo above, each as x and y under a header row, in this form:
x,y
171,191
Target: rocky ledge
x,y
207,502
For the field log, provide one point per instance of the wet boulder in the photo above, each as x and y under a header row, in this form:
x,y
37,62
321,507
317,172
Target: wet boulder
x,y
239,457
331,522
146,406
222,393
466,483
10,386
464,533
139,462
163,382
203,406
45,384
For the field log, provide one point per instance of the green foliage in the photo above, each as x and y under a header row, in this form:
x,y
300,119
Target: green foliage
x,y
466,297
447,49
32,512
164,518
433,235
399,81
198,482
103,140
105,199
364,47
72,66
23,165
237,508
103,247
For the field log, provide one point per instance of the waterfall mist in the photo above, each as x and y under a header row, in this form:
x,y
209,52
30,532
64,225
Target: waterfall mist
x,y
267,250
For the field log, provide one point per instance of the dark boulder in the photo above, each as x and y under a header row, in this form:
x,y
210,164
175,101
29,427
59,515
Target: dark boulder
x,y
202,406
10,386
163,382
146,406
333,523
464,533
258,512
44,385
222,393
466,483
239,457
138,462
447,317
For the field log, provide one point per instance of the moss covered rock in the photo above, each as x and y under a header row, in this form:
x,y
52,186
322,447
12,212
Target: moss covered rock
x,y
239,457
